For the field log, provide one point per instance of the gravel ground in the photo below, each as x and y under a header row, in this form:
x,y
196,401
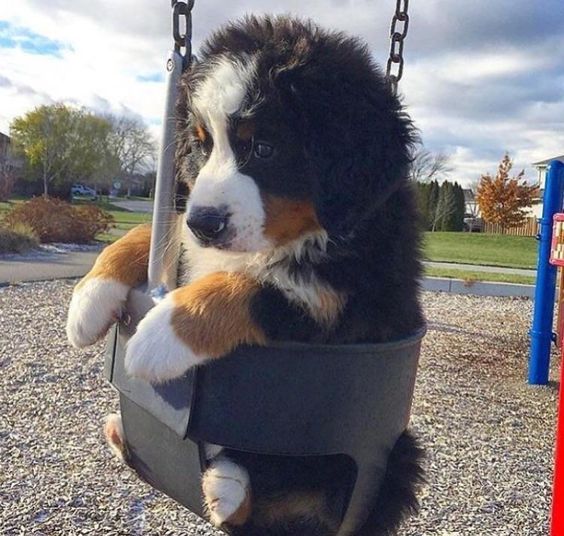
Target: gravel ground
x,y
489,437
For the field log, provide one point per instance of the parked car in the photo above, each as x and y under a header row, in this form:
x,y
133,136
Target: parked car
x,y
473,224
80,191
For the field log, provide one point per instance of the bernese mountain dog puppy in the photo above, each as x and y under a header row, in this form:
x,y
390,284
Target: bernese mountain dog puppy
x,y
300,225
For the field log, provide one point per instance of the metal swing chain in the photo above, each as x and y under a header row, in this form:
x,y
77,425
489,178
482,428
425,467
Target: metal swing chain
x,y
182,12
398,33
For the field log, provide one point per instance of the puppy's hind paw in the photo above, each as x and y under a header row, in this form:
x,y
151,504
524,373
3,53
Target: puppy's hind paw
x,y
96,304
227,493
115,437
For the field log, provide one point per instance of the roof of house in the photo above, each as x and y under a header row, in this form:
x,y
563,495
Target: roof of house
x,y
543,163
469,195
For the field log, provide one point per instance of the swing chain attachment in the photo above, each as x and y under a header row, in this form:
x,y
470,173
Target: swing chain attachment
x,y
398,33
182,18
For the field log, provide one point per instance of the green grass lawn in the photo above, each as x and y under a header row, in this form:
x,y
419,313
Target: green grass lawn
x,y
124,219
6,206
481,248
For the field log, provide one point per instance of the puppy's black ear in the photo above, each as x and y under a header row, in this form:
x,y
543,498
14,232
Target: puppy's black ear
x,y
361,158
356,135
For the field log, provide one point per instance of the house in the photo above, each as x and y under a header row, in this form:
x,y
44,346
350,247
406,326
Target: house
x,y
10,168
541,166
471,208
4,147
8,164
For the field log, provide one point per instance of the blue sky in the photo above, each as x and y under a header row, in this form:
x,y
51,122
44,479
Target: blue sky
x,y
481,77
12,36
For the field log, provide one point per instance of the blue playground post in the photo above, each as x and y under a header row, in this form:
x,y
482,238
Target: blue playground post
x,y
541,331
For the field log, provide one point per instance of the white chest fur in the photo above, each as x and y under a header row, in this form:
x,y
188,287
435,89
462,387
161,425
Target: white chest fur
x,y
322,302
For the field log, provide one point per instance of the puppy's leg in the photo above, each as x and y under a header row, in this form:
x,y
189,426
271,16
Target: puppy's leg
x,y
115,437
204,320
99,298
227,493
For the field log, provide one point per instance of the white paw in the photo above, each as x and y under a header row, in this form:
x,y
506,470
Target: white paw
x,y
155,353
226,492
94,307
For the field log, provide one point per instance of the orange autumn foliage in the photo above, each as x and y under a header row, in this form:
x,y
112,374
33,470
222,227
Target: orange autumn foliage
x,y
503,199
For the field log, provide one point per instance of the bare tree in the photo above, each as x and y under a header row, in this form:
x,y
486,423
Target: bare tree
x,y
133,147
427,166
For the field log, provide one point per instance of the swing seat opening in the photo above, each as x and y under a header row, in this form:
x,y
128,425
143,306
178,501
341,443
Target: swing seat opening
x,y
285,399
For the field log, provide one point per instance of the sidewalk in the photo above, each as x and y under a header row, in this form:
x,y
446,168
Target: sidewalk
x,y
77,264
479,268
57,266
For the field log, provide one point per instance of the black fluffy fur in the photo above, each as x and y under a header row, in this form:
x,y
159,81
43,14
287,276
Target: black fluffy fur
x,y
346,148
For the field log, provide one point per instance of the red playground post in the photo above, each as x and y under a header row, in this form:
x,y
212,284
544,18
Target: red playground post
x,y
557,259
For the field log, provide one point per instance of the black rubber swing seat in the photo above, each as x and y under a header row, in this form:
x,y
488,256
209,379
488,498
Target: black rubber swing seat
x,y
285,399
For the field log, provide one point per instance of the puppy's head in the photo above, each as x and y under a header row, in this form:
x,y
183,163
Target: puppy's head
x,y
285,131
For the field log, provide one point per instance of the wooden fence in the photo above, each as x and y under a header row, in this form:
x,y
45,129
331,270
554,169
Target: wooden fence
x,y
529,228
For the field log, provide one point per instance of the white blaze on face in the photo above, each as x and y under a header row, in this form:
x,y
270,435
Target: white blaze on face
x,y
219,183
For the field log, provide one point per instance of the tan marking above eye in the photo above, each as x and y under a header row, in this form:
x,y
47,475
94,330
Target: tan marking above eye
x,y
246,130
201,133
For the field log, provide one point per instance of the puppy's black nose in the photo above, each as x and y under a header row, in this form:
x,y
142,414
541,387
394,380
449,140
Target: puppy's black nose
x,y
207,223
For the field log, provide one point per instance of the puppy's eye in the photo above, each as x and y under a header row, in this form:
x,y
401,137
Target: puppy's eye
x,y
201,139
263,150
202,146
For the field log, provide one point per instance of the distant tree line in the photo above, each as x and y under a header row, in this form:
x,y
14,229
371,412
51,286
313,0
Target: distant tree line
x,y
503,200
61,145
441,202
441,205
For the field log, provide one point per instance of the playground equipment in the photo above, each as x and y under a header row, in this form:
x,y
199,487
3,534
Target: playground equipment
x,y
557,260
542,334
353,400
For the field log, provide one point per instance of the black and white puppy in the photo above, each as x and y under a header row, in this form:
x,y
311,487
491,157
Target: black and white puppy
x,y
301,225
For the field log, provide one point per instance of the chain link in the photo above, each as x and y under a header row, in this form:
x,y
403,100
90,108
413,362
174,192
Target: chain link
x,y
182,16
398,33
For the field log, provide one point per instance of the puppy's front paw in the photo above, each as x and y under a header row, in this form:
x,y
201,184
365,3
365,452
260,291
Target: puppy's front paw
x,y
96,304
227,493
155,353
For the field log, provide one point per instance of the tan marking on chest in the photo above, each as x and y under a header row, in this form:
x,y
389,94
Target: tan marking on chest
x,y
331,305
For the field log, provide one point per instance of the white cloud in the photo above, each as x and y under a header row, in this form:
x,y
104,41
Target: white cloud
x,y
480,78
